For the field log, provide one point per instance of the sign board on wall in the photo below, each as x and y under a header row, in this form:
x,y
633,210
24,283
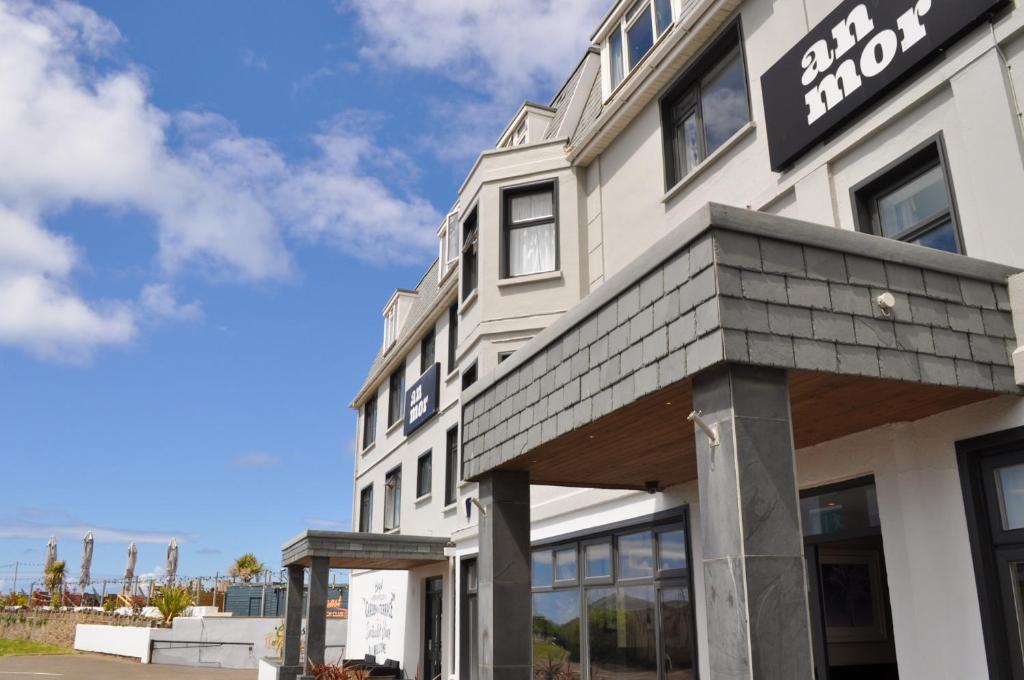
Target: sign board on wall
x,y
377,612
859,52
421,399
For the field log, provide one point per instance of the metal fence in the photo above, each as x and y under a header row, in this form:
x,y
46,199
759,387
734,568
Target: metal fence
x,y
210,654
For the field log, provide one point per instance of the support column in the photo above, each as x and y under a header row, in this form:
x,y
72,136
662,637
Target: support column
x,y
754,573
503,568
292,665
316,613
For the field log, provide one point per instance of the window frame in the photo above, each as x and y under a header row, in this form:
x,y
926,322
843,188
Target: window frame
x,y
366,513
453,336
708,65
370,422
452,468
429,339
446,264
428,479
913,164
628,19
395,418
393,494
470,376
390,325
470,253
507,194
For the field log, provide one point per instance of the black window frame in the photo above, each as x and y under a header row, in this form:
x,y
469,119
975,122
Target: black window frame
x,y
394,495
453,336
366,509
424,482
923,158
503,356
469,376
370,422
396,396
470,253
507,194
428,350
452,469
709,64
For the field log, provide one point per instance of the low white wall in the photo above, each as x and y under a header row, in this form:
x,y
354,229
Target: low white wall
x,y
269,670
126,641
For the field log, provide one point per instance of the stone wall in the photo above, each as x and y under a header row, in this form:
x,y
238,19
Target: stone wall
x,y
58,628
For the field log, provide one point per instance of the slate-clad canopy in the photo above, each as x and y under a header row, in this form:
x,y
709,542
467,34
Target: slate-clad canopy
x,y
345,550
599,399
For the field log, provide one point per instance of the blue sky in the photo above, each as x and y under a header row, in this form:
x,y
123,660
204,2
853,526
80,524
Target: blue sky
x,y
203,208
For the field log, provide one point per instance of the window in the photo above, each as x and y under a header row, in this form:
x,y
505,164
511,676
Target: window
x,y
366,509
370,421
519,136
470,246
452,471
469,376
393,499
502,356
448,236
530,231
424,473
453,335
427,351
636,621
706,107
396,395
639,29
390,325
912,201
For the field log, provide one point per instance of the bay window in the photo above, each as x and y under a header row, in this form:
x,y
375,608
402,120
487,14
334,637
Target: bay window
x,y
530,228
448,238
633,38
393,499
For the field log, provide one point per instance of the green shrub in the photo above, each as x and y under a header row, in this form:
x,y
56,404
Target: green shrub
x,y
172,601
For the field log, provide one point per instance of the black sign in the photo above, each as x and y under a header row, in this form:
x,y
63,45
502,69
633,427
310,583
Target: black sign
x,y
421,399
847,61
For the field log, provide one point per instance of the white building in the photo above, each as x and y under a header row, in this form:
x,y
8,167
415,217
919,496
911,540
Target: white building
x,y
854,509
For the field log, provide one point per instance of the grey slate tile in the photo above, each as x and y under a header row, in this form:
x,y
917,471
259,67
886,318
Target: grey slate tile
x,y
951,344
814,355
971,374
677,270
989,350
652,288
793,321
772,350
808,293
672,368
735,345
966,319
905,279
628,304
1003,380
825,265
851,299
999,324
937,370
942,286
655,345
730,281
833,327
764,287
874,332
701,255
858,360
742,314
682,331
913,338
898,365
928,312
978,293
737,250
780,257
866,272
704,352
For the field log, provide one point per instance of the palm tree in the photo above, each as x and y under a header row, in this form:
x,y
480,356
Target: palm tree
x,y
246,567
53,579
172,601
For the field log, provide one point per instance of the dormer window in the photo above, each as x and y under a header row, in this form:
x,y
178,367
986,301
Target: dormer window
x,y
633,38
519,136
448,237
390,325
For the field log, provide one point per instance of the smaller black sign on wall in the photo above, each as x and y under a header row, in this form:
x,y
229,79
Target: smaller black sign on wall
x,y
860,51
421,399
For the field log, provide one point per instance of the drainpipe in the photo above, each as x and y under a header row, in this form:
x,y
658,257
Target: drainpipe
x,y
1016,285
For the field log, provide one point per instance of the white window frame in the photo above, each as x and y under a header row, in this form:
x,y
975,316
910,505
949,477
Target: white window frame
x,y
390,325
448,252
622,27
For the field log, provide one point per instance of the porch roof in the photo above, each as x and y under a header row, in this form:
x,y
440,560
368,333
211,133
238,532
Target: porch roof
x,y
347,550
600,397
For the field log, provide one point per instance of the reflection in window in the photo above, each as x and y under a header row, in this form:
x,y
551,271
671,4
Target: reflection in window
x,y
677,645
556,634
640,37
531,236
622,635
636,555
565,565
1010,486
599,560
840,511
543,572
672,550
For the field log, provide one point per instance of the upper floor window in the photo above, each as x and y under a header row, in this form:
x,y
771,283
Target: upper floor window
x,y
912,201
530,230
424,474
393,499
365,509
519,136
470,245
427,351
706,107
448,235
390,325
396,395
370,421
635,35
469,376
453,335
452,473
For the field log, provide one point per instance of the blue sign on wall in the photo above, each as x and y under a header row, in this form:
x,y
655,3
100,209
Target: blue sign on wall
x,y
421,399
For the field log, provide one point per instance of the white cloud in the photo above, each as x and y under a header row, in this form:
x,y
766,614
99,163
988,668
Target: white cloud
x,y
75,130
256,459
40,524
252,60
327,523
158,300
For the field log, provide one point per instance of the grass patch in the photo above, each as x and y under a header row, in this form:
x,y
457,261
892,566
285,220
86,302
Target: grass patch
x,y
26,648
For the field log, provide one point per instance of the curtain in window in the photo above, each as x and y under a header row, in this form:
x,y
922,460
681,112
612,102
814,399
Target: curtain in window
x,y
532,250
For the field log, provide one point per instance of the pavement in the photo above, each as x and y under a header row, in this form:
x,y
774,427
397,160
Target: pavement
x,y
95,667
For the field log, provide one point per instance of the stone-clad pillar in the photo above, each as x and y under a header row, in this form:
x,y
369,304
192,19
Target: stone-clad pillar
x,y
503,568
316,612
292,665
754,573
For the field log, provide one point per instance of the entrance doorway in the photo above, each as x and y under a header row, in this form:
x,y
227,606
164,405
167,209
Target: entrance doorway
x,y
992,471
434,588
851,619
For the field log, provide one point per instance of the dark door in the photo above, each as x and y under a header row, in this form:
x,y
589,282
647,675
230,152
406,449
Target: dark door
x,y
432,623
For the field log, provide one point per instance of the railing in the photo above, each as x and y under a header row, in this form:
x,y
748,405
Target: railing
x,y
213,654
